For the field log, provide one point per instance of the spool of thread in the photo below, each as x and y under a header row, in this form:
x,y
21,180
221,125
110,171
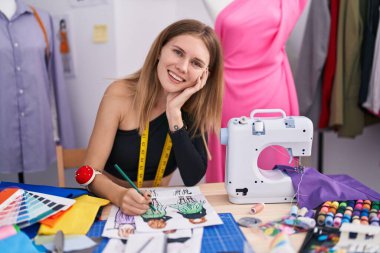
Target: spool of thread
x,y
366,206
329,221
341,210
324,210
293,211
350,205
310,213
335,204
257,208
364,212
364,220
302,212
358,206
343,204
338,220
356,213
372,215
348,212
355,220
375,222
347,216
327,203
321,219
323,237
332,209
309,221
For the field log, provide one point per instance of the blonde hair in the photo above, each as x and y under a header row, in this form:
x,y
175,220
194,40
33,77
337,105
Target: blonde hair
x,y
205,106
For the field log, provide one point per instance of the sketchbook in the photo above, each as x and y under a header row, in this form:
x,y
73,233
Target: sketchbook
x,y
176,208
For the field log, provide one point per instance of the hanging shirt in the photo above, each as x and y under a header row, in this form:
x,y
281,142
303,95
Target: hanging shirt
x,y
370,23
29,82
372,102
345,114
312,58
330,65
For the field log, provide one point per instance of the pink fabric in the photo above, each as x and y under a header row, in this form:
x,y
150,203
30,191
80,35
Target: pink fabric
x,y
253,34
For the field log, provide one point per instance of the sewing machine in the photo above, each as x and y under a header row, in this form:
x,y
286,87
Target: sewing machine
x,y
245,138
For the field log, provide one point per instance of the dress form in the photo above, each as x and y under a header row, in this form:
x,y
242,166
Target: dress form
x,y
257,73
8,8
215,7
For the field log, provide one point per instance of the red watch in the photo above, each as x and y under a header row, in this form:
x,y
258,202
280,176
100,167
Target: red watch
x,y
85,175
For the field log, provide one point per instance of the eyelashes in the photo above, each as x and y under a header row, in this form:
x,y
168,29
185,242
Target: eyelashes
x,y
196,64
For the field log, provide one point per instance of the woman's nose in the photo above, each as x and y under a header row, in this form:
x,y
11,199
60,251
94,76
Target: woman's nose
x,y
182,65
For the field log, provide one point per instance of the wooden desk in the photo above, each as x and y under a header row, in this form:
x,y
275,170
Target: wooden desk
x,y
217,196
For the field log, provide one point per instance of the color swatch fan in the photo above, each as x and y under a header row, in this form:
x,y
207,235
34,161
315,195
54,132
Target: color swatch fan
x,y
25,208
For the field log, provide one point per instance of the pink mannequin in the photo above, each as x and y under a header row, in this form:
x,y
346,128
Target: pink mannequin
x,y
257,73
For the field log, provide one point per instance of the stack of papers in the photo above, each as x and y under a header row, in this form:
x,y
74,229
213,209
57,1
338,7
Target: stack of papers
x,y
177,221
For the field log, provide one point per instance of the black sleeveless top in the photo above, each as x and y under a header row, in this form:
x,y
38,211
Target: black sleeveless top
x,y
188,154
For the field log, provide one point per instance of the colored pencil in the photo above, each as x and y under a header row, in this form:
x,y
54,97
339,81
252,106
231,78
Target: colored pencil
x,y
131,183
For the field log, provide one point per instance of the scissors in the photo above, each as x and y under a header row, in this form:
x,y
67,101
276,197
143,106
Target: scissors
x,y
59,242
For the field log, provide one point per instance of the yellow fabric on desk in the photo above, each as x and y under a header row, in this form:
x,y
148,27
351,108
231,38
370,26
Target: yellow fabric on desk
x,y
78,219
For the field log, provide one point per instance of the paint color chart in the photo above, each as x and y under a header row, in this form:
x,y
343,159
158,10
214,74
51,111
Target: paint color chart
x,y
25,208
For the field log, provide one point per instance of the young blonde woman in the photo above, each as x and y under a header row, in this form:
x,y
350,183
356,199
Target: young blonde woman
x,y
157,119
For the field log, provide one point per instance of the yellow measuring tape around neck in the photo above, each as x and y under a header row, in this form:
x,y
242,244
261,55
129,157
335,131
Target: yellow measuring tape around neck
x,y
142,159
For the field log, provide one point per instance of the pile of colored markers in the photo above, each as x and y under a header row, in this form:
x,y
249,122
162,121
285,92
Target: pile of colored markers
x,y
335,213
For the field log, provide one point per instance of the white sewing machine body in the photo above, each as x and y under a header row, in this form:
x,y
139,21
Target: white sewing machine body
x,y
245,138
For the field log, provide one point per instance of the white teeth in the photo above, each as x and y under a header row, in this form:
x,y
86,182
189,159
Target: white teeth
x,y
179,79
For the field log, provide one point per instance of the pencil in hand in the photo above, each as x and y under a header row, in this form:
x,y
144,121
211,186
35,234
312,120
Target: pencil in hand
x,y
131,183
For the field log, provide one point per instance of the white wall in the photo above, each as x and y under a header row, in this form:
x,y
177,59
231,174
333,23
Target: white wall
x,y
94,63
138,22
132,26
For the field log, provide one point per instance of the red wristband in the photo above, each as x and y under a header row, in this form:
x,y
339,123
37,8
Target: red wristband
x,y
85,175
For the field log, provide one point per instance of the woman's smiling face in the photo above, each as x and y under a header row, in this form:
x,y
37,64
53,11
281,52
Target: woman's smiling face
x,y
182,61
